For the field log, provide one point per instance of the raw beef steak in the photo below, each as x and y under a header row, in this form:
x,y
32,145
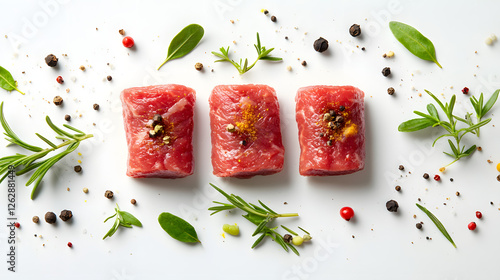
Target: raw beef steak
x,y
159,130
246,134
331,121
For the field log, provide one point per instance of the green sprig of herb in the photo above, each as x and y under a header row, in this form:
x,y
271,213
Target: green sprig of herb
x,y
414,41
438,224
30,162
242,67
7,82
124,219
261,216
178,228
184,42
433,119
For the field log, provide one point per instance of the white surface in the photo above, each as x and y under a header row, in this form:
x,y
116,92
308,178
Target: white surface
x,y
385,244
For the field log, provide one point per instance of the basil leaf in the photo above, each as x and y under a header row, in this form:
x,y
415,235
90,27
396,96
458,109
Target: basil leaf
x,y
414,41
184,42
415,124
178,228
438,224
129,219
490,102
7,82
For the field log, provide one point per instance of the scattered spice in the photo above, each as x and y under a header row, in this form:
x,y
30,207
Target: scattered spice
x,y
95,106
398,188
230,128
266,12
289,68
77,168
304,63
457,193
437,177
121,31
391,91
67,118
426,176
392,206
386,71
273,19
389,54
465,90
35,219
60,79
363,48
498,178
108,194
17,225
50,217
66,215
109,78
320,45
419,225
355,30
479,215
58,100
451,179
70,244
472,226
479,149
128,42
198,66
82,67
287,238
401,167
85,190
51,60
243,142
133,201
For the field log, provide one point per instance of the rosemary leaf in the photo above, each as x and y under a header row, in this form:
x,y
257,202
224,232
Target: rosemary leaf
x,y
438,224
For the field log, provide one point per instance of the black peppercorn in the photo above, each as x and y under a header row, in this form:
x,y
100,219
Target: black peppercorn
x,y
391,91
273,18
66,215
58,100
392,206
419,225
457,193
77,168
287,238
426,176
329,142
109,78
386,71
355,30
320,45
498,178
243,142
398,188
50,217
108,194
266,12
67,118
341,108
95,106
198,66
157,119
363,48
51,60
35,219
401,167
304,63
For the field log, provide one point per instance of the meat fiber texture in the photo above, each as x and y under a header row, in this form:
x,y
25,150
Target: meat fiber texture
x,y
151,157
346,152
255,147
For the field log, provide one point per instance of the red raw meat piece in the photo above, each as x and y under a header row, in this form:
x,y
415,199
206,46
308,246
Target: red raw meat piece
x,y
254,111
151,157
346,152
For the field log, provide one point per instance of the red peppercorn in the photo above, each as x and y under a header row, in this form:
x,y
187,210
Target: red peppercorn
x,y
472,226
437,177
17,225
70,244
347,213
128,42
59,79
479,215
465,90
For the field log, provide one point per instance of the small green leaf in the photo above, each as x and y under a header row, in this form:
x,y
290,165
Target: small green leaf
x,y
470,150
130,219
260,227
415,124
289,230
489,104
432,111
184,42
178,228
112,230
438,224
414,41
7,82
257,242
453,148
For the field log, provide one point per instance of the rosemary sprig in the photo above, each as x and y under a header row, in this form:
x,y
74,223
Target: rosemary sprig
x,y
33,161
438,224
261,216
432,120
263,54
124,219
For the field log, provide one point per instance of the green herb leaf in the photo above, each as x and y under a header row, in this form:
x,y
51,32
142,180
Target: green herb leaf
x,y
7,82
433,111
489,104
415,124
438,224
129,219
414,41
289,230
123,219
184,42
178,228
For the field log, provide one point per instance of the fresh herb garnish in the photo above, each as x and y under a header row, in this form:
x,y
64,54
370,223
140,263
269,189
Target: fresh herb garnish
x,y
124,219
184,42
432,119
263,54
178,228
414,41
438,224
29,162
7,82
261,216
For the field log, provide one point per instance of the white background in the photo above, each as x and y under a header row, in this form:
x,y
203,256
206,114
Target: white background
x,y
386,245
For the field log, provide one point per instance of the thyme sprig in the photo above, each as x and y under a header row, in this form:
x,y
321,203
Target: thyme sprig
x,y
33,161
242,67
261,216
433,119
